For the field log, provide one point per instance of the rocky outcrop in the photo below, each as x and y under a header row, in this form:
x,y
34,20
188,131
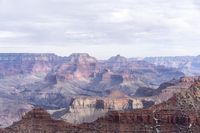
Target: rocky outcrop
x,y
88,109
77,66
39,121
146,121
166,90
187,99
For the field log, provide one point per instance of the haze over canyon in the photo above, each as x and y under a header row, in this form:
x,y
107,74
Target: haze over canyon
x,y
80,88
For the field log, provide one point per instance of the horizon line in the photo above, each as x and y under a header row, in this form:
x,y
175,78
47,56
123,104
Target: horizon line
x,y
138,57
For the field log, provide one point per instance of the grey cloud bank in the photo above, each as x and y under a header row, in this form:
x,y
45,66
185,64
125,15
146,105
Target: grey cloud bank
x,y
100,27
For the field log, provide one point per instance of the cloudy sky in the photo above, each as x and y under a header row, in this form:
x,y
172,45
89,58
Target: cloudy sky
x,y
101,28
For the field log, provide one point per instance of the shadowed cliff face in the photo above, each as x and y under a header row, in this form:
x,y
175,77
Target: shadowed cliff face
x,y
169,116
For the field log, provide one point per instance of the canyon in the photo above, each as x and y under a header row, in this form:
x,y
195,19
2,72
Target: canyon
x,y
52,82
80,93
178,114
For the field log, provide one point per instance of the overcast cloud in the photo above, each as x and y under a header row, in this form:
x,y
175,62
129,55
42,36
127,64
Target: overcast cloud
x,y
101,27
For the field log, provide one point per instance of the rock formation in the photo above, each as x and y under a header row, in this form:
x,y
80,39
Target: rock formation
x,y
88,109
38,121
179,114
77,66
50,81
12,64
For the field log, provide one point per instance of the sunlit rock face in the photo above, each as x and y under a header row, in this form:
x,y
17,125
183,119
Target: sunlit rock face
x,y
88,109
77,66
